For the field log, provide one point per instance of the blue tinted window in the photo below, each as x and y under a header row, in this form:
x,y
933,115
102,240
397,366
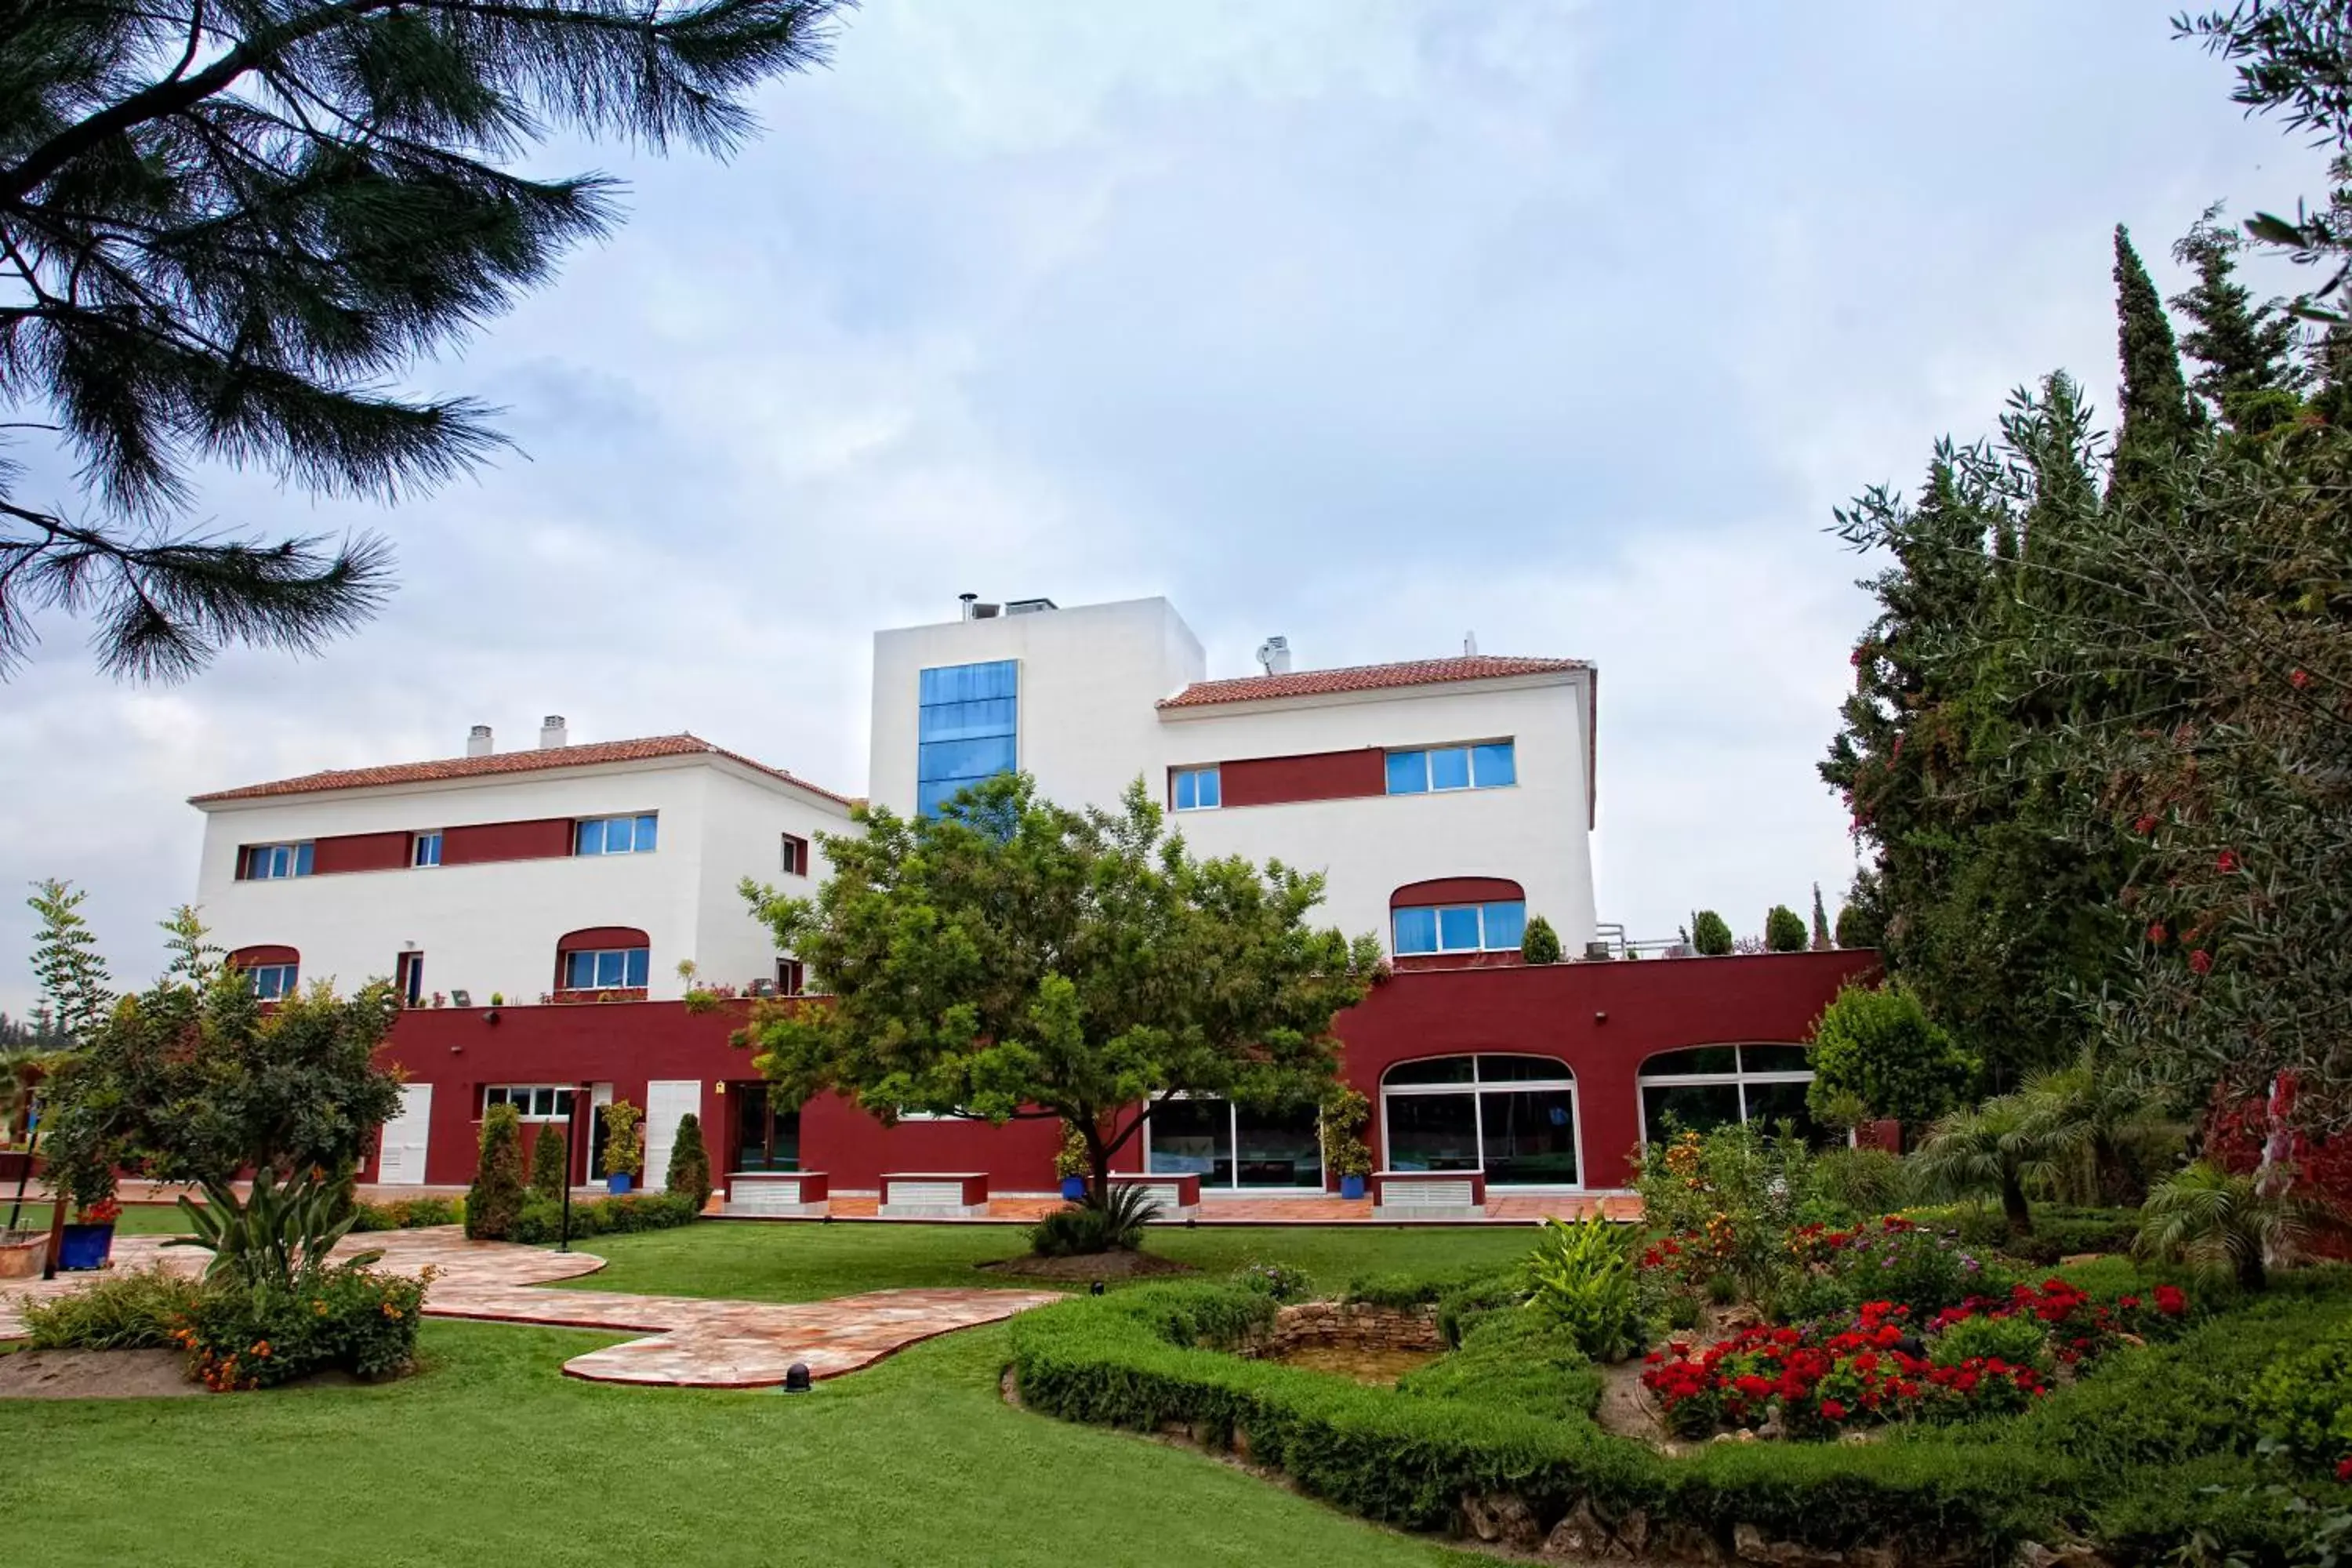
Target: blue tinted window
x,y
428,849
1506,924
1196,789
592,838
1449,768
272,982
1492,767
1416,930
639,966
612,969
579,971
302,859
1457,930
616,835
967,729
1408,773
645,834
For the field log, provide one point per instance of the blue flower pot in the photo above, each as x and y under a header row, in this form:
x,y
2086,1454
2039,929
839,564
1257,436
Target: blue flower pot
x,y
1351,1186
1074,1188
85,1246
617,1183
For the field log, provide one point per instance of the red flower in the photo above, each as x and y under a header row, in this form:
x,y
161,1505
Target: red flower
x,y
2299,679
1832,1409
2145,826
2170,1301
2344,1470
2155,933
2202,962
2226,862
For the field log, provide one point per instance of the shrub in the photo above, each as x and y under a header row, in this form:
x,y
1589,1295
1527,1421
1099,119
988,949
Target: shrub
x,y
495,1198
1072,1159
1725,1202
625,1139
1539,944
1862,1183
549,1172
2058,1233
407,1214
2304,1404
1581,1278
1518,1360
541,1220
1892,1260
1878,1046
243,1336
2019,1339
1345,1113
1784,930
1278,1281
1710,934
689,1164
1073,1231
125,1309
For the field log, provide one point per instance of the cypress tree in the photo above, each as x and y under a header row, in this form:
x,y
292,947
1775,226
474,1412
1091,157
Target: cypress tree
x,y
2157,416
1821,922
2248,352
495,1199
689,1163
547,1176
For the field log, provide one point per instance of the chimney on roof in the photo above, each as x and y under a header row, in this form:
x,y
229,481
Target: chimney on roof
x,y
1470,644
552,732
968,601
1274,654
477,740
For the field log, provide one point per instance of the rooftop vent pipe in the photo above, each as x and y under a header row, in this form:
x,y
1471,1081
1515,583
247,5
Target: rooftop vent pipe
x,y
477,740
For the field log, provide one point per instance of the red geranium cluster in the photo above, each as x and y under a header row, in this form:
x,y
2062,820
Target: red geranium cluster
x,y
1817,1243
2080,1328
1870,1373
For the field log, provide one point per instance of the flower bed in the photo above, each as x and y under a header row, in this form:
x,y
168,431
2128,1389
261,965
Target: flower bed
x,y
358,1320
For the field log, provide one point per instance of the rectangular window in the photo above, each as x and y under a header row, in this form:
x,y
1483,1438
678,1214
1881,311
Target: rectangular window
x,y
1197,789
426,851
275,862
605,969
793,859
1491,765
1461,928
272,982
408,977
967,729
616,835
532,1102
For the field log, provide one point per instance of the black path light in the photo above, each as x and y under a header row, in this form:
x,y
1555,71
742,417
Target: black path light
x,y
796,1378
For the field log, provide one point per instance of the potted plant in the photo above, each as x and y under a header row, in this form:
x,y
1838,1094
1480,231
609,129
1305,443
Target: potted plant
x,y
1071,1164
88,1241
1345,1155
624,1145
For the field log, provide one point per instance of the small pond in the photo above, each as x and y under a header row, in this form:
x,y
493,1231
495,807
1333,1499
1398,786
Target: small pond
x,y
1365,1363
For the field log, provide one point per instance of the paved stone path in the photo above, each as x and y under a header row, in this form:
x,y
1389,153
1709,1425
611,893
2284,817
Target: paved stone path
x,y
696,1342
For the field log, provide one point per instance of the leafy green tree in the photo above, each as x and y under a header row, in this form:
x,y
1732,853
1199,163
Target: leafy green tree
x,y
1010,959
689,1163
76,990
1539,944
1862,919
1784,930
495,1200
550,1174
2251,362
1877,1045
226,229
179,1084
1710,934
195,957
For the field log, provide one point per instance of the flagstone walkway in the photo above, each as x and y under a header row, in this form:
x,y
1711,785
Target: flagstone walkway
x,y
695,1342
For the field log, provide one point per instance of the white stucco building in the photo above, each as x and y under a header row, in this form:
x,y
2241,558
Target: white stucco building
x,y
1444,800
589,868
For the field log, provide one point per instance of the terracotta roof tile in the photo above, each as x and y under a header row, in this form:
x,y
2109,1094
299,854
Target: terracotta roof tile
x,y
586,755
1363,678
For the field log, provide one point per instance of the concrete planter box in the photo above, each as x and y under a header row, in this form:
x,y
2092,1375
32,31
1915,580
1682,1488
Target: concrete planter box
x,y
785,1194
934,1194
1179,1196
21,1253
1428,1194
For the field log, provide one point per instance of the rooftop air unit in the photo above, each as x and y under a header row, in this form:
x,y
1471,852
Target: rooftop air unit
x,y
1029,606
1274,656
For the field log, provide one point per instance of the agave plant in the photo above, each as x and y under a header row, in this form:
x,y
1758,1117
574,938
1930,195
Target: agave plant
x,y
1126,1209
1997,1148
2222,1223
278,1233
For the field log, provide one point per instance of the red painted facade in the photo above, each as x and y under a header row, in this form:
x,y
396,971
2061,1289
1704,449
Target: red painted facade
x,y
261,953
1602,1019
542,838
1319,775
1455,891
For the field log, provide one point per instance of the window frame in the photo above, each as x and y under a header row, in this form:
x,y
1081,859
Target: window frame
x,y
562,1096
1472,775
1739,1079
1437,912
1477,1086
793,855
301,856
644,834
596,955
424,850
288,977
1210,772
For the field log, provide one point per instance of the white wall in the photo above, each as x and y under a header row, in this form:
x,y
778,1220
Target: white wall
x,y
1089,679
493,927
1536,832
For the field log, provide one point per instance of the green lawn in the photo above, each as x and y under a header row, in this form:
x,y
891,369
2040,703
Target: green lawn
x,y
799,1262
137,1219
490,1456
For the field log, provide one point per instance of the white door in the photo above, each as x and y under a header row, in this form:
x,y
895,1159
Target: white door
x,y
667,1100
401,1162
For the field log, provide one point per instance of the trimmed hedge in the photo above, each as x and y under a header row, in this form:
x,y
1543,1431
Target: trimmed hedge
x,y
2151,1451
541,1219
407,1214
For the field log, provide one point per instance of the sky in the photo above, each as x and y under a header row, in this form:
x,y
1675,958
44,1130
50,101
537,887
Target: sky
x,y
1370,322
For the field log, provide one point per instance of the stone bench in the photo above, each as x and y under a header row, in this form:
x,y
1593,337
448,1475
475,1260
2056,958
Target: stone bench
x,y
934,1194
1179,1197
1428,1194
790,1194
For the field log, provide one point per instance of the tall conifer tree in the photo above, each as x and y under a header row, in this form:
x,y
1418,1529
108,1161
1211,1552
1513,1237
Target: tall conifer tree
x,y
2248,352
2155,415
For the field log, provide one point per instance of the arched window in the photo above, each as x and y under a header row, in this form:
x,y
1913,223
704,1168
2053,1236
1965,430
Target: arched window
x,y
604,958
273,971
1457,914
1706,1086
1513,1116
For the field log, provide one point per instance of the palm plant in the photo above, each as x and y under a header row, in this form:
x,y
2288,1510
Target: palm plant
x,y
278,1233
2223,1223
2091,1123
1996,1148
